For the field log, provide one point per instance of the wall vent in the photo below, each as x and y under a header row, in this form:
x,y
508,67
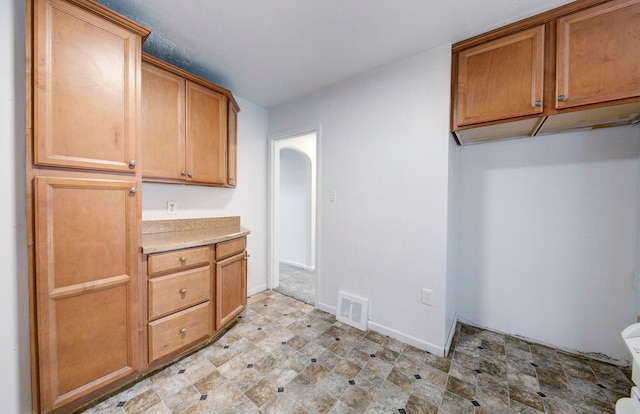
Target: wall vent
x,y
353,310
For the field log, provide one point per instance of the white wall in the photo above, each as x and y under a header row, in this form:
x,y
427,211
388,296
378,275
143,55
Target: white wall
x,y
295,208
15,379
384,150
248,200
546,245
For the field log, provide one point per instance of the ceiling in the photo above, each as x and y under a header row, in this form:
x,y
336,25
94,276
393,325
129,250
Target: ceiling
x,y
273,51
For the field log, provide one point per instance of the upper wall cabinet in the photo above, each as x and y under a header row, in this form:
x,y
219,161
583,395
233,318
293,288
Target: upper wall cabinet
x,y
574,67
85,73
501,79
599,54
188,127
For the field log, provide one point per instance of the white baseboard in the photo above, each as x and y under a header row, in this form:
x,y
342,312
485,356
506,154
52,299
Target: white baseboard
x,y
326,308
452,332
407,339
295,264
256,289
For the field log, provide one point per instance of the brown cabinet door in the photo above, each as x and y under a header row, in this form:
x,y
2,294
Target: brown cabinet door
x,y
232,149
501,79
86,285
85,89
163,98
206,135
231,288
598,54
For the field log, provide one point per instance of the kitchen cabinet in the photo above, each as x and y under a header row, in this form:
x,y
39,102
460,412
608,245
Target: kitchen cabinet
x,y
573,67
231,280
186,135
501,79
179,300
83,200
85,75
598,54
86,287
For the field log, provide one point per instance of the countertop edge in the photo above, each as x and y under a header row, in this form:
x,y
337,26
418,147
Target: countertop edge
x,y
183,241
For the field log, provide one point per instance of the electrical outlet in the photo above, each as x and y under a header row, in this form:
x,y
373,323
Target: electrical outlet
x,y
427,297
172,207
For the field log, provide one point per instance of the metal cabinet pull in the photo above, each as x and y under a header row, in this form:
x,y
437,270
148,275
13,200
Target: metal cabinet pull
x,y
183,173
562,98
190,175
538,103
183,259
183,331
183,291
133,190
132,164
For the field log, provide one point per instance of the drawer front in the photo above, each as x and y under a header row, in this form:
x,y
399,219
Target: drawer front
x,y
179,330
177,260
230,247
178,291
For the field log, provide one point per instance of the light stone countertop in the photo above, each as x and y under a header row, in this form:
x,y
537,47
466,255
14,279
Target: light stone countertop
x,y
164,235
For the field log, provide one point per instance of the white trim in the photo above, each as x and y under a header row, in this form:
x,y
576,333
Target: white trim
x,y
326,308
273,193
407,339
256,290
452,333
296,264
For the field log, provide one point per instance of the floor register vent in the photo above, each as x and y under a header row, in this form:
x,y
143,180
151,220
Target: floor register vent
x,y
353,310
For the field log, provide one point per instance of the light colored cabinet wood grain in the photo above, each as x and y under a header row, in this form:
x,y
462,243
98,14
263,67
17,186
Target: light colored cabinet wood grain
x,y
178,291
85,89
189,127
86,293
598,54
501,79
231,288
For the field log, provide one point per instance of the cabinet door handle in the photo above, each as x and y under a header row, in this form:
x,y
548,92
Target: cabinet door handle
x,y
183,291
538,103
133,190
562,98
183,173
183,331
132,164
247,257
183,259
190,175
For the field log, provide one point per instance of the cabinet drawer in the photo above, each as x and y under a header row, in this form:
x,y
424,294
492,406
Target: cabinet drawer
x,y
179,330
230,247
177,260
178,291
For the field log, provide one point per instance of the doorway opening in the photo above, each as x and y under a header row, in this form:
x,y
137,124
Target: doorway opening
x,y
293,216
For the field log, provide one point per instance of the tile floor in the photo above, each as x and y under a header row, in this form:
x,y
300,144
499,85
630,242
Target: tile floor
x,y
298,283
284,356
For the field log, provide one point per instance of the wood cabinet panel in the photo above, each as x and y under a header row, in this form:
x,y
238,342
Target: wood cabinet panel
x,y
179,330
86,295
178,291
206,133
163,152
598,54
232,145
176,260
231,288
501,79
85,89
230,247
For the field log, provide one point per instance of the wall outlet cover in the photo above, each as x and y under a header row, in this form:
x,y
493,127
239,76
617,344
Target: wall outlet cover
x,y
172,207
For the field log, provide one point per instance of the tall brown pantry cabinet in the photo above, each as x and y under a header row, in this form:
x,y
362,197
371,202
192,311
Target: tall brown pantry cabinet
x,y
83,198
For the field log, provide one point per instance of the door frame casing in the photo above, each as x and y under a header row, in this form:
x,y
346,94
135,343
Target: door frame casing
x,y
276,142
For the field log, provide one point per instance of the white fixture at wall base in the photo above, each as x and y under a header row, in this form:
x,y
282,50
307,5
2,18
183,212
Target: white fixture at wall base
x,y
353,310
332,195
172,207
427,296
